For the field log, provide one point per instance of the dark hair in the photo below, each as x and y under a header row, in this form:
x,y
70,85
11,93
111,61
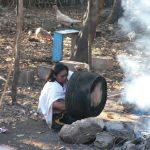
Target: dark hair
x,y
55,70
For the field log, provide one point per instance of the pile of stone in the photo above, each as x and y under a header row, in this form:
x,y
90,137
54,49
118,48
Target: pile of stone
x,y
108,135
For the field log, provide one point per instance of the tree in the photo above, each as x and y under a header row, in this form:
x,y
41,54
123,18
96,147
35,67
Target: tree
x,y
91,19
116,13
108,3
17,49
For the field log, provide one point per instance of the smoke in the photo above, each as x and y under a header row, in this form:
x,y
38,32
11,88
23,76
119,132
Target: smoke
x,y
142,128
137,67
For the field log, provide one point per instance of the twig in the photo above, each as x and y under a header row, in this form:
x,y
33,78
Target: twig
x,y
3,78
121,141
7,92
60,3
114,95
6,84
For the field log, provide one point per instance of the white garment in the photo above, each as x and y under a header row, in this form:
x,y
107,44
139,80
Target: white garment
x,y
51,92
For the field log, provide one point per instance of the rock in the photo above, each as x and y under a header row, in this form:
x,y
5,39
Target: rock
x,y
82,131
113,125
143,146
129,125
102,63
148,144
119,130
6,147
2,81
26,77
43,35
131,146
43,71
104,14
9,48
62,148
104,140
118,148
73,64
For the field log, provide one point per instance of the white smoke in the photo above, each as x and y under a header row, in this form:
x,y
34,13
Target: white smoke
x,y
136,20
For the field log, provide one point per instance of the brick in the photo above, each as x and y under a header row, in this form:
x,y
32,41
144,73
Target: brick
x,y
72,64
43,71
102,63
26,77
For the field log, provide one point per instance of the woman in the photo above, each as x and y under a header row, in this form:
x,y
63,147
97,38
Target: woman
x,y
51,100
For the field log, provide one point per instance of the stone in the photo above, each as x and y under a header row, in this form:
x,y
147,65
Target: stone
x,y
142,146
131,146
43,35
104,14
73,64
104,140
81,131
148,144
118,148
129,125
6,147
102,63
2,81
43,71
113,125
26,77
119,130
62,148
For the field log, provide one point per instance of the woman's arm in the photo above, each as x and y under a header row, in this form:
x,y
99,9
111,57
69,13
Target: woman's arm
x,y
59,105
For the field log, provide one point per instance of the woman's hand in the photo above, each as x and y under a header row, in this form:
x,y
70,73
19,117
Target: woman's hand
x,y
84,67
78,68
59,106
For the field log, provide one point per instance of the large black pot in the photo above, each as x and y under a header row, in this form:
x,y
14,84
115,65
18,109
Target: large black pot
x,y
86,95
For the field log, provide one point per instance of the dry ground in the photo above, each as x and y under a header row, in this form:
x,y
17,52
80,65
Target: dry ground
x,y
27,130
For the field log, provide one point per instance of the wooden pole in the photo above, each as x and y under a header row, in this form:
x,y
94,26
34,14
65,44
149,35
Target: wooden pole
x,y
89,38
17,50
6,84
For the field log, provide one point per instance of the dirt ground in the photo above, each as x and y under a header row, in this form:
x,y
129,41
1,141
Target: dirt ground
x,y
27,129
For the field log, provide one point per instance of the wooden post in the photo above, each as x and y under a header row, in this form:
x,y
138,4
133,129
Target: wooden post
x,y
73,42
90,38
17,49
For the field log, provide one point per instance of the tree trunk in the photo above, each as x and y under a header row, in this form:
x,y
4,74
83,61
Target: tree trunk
x,y
108,3
4,2
17,49
90,37
90,22
116,13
